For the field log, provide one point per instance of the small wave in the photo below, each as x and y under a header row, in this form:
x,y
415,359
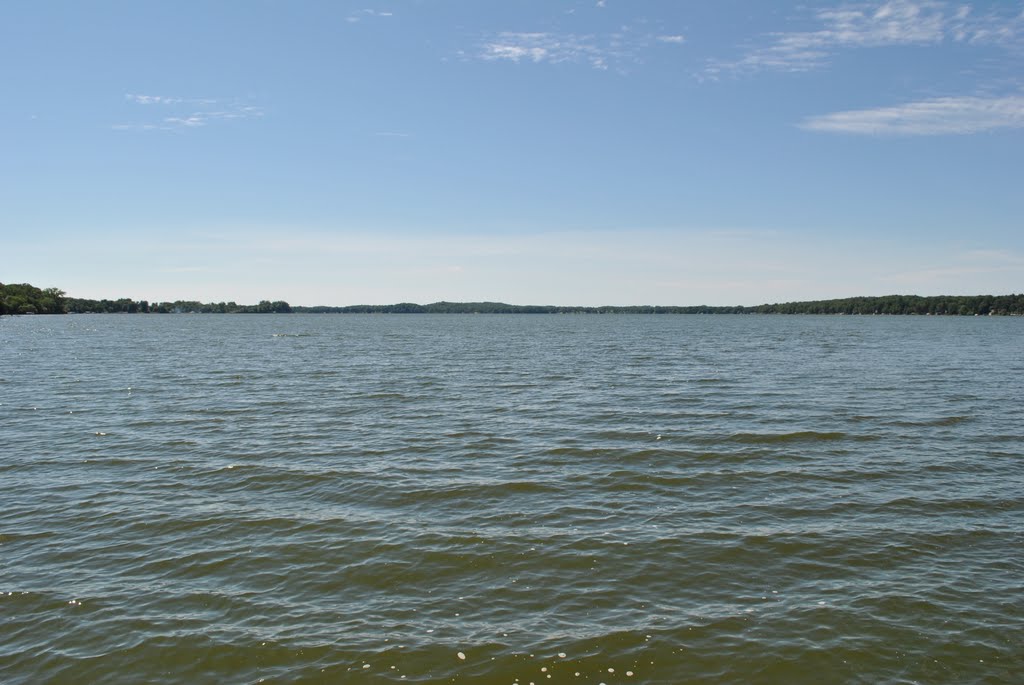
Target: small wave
x,y
797,436
624,435
942,421
180,442
467,492
386,396
6,538
950,420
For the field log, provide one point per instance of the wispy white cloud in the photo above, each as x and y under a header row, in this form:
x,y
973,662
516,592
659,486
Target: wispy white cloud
x,y
545,47
186,122
938,116
872,25
199,112
151,99
358,16
238,112
1001,28
136,127
167,100
618,49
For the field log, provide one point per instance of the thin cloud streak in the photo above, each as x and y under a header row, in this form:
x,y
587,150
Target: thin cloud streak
x,y
939,116
1005,257
140,99
204,115
873,25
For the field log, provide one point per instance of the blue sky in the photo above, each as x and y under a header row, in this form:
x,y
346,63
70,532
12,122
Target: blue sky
x,y
579,152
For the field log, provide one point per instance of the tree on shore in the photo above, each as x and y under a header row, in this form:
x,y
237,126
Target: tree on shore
x,y
22,298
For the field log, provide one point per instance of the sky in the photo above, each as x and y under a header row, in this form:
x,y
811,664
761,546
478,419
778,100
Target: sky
x,y
590,152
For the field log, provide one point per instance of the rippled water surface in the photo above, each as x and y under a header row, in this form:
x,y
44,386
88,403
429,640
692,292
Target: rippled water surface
x,y
501,499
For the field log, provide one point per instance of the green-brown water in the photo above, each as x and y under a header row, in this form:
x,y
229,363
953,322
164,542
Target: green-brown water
x,y
560,499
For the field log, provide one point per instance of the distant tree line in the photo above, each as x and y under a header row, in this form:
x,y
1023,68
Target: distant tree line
x,y
27,299
80,306
957,305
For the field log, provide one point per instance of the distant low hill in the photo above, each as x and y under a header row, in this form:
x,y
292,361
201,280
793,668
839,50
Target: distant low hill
x,y
27,299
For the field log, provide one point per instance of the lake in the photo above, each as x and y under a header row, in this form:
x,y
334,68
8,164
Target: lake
x,y
511,499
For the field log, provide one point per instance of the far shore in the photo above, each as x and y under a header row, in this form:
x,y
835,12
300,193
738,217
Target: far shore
x,y
21,299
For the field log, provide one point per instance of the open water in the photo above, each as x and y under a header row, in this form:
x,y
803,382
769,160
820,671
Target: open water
x,y
511,499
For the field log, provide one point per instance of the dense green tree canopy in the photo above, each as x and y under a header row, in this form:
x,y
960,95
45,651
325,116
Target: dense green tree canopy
x,y
27,299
